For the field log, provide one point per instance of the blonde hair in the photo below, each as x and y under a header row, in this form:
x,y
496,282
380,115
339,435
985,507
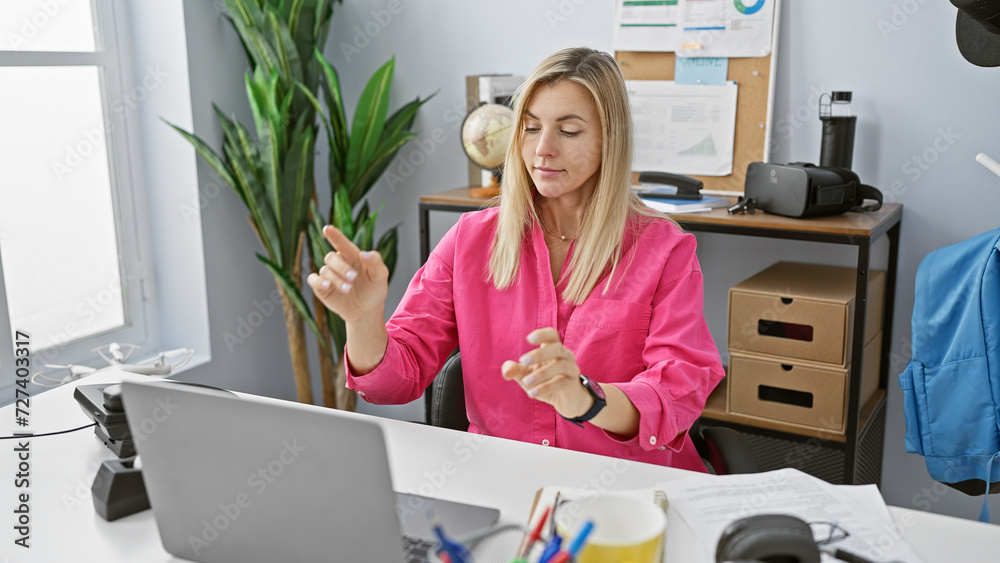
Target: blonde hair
x,y
598,245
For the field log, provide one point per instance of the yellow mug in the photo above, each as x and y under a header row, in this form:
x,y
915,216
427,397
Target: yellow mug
x,y
626,528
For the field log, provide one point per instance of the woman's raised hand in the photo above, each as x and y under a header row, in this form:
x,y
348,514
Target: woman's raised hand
x,y
352,283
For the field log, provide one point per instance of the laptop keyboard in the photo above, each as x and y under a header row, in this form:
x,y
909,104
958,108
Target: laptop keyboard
x,y
418,550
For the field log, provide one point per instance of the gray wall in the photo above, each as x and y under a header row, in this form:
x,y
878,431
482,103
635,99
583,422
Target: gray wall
x,y
924,113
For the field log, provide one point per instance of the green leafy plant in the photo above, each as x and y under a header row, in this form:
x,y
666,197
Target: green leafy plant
x,y
272,171
358,158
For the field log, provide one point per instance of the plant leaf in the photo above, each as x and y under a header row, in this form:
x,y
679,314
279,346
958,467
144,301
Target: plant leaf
x,y
335,107
244,161
248,19
379,161
369,120
342,213
293,71
365,235
296,190
210,156
295,16
361,216
333,170
284,279
388,247
403,118
318,245
338,330
259,93
261,213
321,27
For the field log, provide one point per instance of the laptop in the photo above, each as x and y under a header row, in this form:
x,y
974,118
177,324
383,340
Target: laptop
x,y
233,479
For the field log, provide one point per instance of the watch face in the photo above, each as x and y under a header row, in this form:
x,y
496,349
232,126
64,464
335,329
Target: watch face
x,y
593,386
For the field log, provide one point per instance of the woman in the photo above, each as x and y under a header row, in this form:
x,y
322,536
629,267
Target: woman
x,y
570,275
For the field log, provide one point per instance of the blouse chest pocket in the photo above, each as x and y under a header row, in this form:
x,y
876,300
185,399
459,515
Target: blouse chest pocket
x,y
608,337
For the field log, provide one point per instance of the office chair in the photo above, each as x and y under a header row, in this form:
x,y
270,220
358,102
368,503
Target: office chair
x,y
724,450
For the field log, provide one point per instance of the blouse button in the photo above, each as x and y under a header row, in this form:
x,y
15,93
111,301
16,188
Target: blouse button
x,y
362,393
545,442
662,448
652,440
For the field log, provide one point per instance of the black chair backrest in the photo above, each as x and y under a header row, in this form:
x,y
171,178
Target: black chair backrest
x,y
446,407
724,450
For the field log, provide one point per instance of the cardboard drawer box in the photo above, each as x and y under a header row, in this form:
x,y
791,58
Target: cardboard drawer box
x,y
802,311
798,393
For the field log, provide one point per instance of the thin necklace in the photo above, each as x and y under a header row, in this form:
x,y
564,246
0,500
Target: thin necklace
x,y
560,237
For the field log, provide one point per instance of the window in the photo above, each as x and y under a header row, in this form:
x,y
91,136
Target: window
x,y
72,239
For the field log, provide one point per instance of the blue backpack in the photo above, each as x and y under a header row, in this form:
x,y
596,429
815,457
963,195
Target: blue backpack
x,y
951,386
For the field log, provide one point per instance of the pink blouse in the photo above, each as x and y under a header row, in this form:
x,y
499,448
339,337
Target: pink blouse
x,y
647,335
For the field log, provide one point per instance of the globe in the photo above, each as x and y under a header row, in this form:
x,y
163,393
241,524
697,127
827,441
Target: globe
x,y
486,133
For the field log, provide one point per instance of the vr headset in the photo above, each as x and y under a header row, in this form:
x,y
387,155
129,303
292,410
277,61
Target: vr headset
x,y
804,190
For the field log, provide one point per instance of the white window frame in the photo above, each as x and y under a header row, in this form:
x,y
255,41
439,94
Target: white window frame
x,y
119,90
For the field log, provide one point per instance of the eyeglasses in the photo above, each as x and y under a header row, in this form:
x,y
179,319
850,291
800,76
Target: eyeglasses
x,y
828,532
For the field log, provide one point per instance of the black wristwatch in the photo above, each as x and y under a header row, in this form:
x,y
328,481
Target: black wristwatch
x,y
600,401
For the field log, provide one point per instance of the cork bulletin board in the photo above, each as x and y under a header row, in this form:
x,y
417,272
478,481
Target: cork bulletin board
x,y
753,75
754,102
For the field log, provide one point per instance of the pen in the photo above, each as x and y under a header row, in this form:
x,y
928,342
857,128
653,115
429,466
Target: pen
x,y
580,539
534,535
849,557
455,551
551,549
574,548
552,519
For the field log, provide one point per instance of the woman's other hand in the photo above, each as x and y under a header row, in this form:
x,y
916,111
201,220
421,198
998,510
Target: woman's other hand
x,y
549,373
351,283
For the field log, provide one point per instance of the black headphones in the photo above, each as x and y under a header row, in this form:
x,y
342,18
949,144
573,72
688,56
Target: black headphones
x,y
769,538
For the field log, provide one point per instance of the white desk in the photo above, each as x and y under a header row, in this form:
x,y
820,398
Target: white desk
x,y
443,463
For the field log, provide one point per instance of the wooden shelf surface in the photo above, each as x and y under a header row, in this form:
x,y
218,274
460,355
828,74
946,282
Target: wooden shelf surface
x,y
458,197
851,224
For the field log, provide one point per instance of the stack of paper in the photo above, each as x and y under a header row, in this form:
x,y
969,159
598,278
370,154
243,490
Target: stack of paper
x,y
709,504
